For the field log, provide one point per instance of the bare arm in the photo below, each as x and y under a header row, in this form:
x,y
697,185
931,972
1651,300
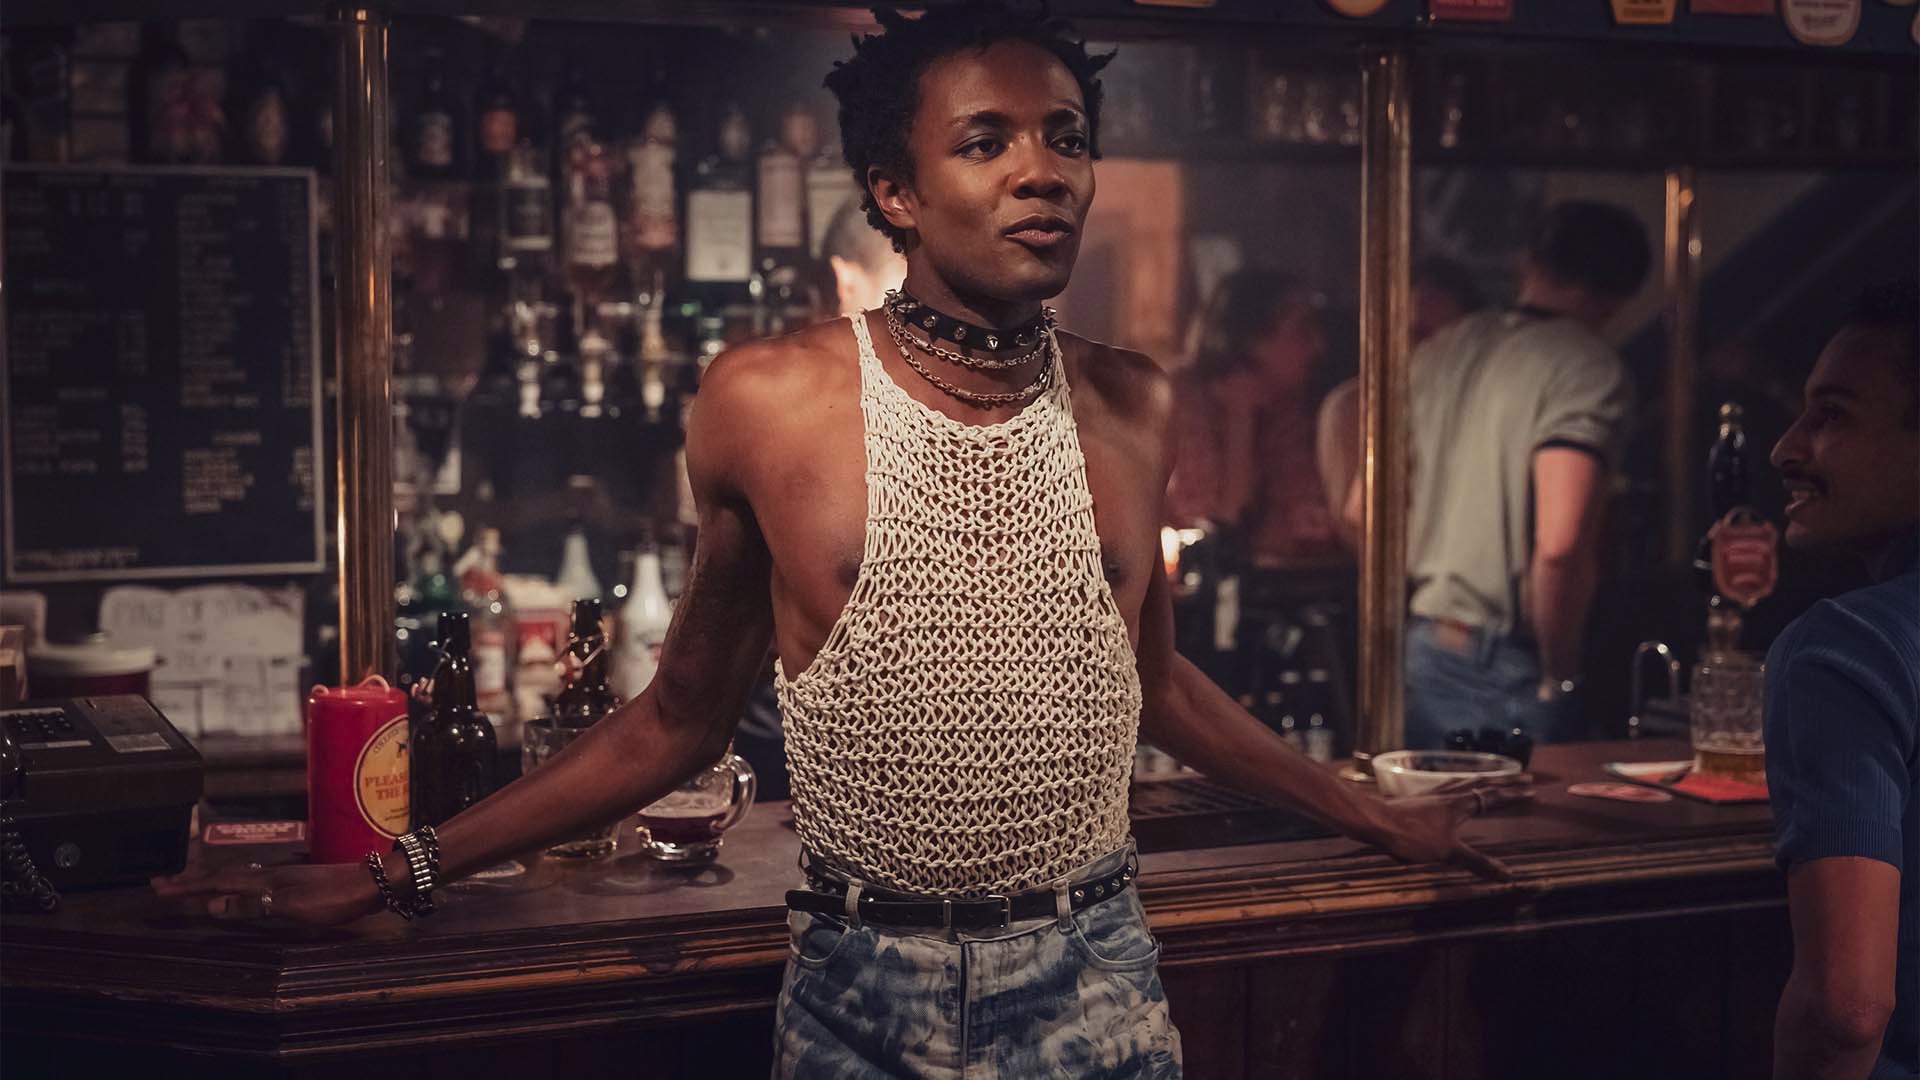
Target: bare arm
x,y
648,746
1337,452
1834,1010
1569,487
684,718
633,756
1188,716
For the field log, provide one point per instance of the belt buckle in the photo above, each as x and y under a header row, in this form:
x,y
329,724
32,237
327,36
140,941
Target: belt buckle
x,y
1006,908
1006,912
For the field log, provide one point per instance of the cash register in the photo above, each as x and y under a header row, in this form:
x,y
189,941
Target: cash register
x,y
94,791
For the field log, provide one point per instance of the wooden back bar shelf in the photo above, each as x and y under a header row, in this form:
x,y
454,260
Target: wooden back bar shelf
x,y
1637,939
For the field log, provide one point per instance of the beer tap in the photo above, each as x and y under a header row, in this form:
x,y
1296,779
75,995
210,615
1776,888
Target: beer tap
x,y
1637,697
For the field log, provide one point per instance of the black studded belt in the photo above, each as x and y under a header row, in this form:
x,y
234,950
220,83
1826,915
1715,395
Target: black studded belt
x,y
828,896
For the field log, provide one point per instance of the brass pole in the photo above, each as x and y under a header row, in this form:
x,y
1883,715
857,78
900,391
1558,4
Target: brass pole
x,y
1386,183
1680,272
363,428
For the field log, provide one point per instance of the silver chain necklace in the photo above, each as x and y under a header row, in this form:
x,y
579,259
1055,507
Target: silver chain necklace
x,y
972,397
979,363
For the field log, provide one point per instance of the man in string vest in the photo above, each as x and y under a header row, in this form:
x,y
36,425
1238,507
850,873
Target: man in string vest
x,y
943,515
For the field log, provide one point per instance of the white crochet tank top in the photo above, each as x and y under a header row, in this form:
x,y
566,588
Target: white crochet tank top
x,y
968,727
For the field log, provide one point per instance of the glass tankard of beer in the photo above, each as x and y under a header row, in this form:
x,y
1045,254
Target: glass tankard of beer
x,y
1725,709
686,825
541,740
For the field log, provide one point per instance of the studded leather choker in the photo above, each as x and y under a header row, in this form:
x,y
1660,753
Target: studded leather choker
x,y
909,310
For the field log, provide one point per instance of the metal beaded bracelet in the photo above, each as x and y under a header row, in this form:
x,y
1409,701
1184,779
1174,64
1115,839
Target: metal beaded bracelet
x,y
422,851
406,909
430,842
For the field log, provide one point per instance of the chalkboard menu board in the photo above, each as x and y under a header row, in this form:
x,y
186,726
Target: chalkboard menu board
x,y
162,409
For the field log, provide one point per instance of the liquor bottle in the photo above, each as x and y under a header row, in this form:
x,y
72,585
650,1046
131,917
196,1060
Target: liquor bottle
x,y
421,599
780,223
1319,739
452,746
576,577
494,640
526,214
586,696
433,145
496,120
575,123
720,217
643,626
592,251
829,187
650,235
1219,94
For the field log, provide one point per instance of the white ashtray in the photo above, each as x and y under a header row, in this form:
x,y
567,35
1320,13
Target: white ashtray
x,y
1437,772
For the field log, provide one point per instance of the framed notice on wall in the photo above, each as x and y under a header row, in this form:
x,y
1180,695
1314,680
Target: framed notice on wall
x,y
161,413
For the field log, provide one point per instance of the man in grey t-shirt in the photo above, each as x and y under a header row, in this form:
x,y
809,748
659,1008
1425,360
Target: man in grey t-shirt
x,y
1518,418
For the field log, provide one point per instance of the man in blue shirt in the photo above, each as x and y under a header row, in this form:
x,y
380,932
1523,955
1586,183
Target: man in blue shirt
x,y
1843,710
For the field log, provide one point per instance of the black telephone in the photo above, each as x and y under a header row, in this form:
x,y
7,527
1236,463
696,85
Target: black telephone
x,y
93,791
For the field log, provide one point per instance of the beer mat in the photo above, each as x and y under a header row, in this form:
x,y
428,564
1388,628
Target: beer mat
x,y
254,832
505,871
1620,792
1679,778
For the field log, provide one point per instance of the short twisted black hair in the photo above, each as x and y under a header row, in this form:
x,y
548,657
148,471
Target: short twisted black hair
x,y
878,88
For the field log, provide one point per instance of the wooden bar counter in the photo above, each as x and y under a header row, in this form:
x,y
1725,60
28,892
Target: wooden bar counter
x,y
1639,940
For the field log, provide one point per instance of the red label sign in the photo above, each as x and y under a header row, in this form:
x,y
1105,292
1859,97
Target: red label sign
x,y
1643,12
1746,563
254,832
1471,10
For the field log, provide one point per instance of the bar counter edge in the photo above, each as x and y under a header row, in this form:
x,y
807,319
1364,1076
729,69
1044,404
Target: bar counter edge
x,y
589,948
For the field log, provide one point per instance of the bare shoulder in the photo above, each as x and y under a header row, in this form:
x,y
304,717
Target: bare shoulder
x,y
1130,385
758,395
759,375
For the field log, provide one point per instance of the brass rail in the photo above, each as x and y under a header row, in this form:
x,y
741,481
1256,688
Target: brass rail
x,y
363,344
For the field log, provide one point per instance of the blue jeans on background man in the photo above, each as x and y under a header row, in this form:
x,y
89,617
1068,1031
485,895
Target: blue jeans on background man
x,y
1463,677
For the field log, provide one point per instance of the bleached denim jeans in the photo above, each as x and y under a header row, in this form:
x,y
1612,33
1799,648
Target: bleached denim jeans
x,y
1077,995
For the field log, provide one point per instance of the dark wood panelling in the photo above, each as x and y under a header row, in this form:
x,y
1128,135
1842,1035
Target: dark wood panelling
x,y
1210,1008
